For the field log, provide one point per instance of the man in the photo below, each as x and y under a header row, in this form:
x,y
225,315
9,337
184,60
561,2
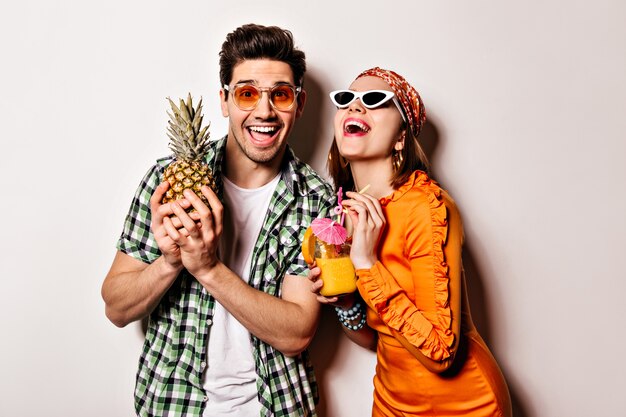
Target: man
x,y
230,310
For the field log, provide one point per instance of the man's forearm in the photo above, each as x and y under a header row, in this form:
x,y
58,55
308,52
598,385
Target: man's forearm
x,y
288,324
133,289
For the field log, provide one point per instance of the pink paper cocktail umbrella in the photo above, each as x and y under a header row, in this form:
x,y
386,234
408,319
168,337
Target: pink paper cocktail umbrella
x,y
329,231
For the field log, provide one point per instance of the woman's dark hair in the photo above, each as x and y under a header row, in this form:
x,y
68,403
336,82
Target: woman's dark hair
x,y
253,41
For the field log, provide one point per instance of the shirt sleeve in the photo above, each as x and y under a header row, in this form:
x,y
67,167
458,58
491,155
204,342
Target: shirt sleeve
x,y
298,267
136,239
426,233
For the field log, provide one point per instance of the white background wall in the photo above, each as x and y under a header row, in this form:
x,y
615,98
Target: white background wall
x,y
526,129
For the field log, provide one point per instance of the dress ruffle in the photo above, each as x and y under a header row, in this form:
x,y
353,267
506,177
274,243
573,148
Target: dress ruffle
x,y
434,340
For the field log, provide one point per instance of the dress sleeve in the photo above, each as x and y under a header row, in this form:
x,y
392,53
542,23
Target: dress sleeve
x,y
430,334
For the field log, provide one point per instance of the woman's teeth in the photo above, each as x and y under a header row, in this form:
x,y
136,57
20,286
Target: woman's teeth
x,y
354,126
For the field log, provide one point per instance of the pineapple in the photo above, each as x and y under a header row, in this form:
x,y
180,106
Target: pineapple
x,y
190,143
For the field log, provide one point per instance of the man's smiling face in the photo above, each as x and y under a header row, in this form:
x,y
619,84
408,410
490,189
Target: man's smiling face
x,y
261,133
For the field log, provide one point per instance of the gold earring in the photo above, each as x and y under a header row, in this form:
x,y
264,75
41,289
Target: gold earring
x,y
396,160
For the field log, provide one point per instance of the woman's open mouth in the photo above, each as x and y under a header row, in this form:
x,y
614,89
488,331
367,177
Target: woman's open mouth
x,y
355,127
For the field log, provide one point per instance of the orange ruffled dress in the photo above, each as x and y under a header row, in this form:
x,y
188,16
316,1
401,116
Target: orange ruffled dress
x,y
431,360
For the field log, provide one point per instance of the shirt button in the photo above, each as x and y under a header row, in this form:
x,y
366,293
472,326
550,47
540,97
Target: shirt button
x,y
203,365
205,399
209,322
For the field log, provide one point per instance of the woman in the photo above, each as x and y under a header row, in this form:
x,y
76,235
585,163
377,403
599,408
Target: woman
x,y
406,248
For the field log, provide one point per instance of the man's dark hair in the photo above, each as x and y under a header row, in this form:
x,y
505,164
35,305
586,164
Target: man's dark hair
x,y
258,42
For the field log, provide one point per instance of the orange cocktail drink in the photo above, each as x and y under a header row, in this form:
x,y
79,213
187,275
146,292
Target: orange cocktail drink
x,y
337,271
326,243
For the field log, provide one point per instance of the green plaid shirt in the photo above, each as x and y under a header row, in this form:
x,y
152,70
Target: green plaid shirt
x,y
169,379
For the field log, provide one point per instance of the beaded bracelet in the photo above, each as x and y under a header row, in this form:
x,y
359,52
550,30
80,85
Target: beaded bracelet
x,y
347,316
350,314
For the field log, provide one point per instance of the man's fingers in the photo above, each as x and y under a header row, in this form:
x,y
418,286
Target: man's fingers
x,y
214,202
205,216
159,192
178,223
187,222
166,209
325,300
196,202
172,231
217,210
317,285
155,203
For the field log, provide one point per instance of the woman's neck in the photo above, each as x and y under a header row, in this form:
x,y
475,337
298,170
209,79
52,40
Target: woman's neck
x,y
376,174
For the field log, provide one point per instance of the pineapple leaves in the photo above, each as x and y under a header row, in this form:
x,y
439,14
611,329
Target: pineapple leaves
x,y
188,139
190,143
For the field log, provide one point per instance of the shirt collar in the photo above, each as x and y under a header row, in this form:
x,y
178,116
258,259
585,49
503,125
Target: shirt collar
x,y
289,168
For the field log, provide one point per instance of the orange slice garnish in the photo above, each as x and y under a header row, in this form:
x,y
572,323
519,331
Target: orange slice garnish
x,y
308,246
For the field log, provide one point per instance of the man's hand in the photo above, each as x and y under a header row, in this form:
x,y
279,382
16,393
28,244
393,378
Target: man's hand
x,y
162,214
132,288
198,237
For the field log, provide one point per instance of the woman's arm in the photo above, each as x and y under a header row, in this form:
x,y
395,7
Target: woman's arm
x,y
433,240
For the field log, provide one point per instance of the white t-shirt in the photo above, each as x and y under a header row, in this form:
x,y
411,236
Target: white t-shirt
x,y
230,378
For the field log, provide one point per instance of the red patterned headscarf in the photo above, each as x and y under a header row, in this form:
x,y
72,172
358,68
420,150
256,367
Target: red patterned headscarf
x,y
409,98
